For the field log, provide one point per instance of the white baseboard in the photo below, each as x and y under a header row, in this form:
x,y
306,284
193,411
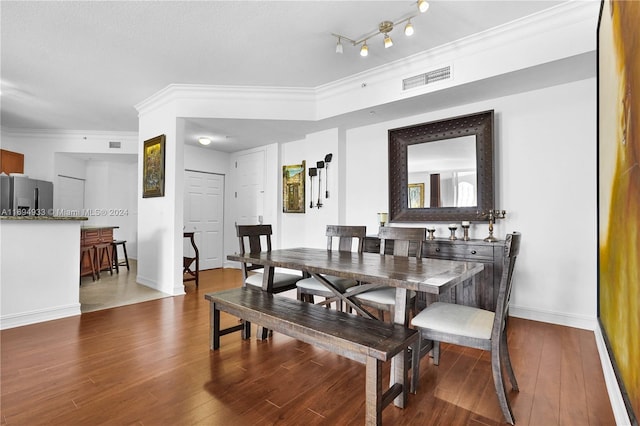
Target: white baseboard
x,y
615,396
560,318
32,317
587,323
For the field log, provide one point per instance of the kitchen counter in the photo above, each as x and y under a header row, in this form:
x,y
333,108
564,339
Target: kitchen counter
x,y
42,218
40,274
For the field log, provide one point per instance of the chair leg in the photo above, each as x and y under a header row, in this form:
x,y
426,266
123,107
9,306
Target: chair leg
x,y
507,360
415,364
114,257
498,381
126,258
436,352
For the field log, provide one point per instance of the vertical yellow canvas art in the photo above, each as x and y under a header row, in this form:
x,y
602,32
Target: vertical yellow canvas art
x,y
619,188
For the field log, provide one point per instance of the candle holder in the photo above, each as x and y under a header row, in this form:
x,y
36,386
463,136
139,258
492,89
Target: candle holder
x,y
382,218
465,229
452,228
431,231
493,215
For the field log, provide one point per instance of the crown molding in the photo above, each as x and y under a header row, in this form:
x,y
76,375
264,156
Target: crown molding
x,y
202,92
68,134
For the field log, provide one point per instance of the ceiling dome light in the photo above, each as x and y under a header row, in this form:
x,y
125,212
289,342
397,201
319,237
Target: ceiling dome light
x,y
364,50
408,29
204,141
339,46
387,41
423,5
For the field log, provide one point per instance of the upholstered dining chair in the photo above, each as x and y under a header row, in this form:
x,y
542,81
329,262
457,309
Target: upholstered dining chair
x,y
474,327
254,236
308,288
384,299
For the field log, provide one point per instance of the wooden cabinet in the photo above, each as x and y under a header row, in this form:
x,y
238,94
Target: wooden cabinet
x,y
482,292
11,162
91,236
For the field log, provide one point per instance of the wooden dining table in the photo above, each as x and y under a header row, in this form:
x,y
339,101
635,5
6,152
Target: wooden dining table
x,y
433,276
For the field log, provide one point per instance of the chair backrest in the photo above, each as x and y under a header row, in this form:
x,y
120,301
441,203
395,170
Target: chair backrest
x,y
511,250
346,235
254,235
402,239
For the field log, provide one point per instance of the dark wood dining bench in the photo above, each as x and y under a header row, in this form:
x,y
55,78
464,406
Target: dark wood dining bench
x,y
363,340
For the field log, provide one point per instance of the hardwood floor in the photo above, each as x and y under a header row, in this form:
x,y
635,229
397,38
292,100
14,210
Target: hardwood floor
x,y
150,364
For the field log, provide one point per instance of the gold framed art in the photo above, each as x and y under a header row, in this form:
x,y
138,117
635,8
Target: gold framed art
x,y
153,167
293,188
416,195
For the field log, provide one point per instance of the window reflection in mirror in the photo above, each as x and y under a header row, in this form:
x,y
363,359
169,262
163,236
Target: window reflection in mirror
x,y
442,173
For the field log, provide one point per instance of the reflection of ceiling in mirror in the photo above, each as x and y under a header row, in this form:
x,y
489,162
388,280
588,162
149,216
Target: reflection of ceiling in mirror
x,y
448,154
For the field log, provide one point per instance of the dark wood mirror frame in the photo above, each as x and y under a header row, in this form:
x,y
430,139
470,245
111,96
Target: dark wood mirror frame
x,y
478,124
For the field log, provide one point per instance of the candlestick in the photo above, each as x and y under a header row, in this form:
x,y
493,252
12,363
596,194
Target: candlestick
x,y
452,228
465,227
493,215
431,236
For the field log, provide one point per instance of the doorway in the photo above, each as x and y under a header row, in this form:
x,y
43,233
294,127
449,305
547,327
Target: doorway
x,y
203,215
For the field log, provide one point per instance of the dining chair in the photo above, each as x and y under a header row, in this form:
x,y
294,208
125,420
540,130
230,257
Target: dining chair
x,y
255,235
474,327
308,288
384,299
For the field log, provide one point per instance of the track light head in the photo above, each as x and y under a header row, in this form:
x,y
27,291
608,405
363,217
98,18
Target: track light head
x,y
408,29
339,46
387,41
423,5
364,50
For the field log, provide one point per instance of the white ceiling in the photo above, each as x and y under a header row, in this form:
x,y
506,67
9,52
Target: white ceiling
x,y
83,65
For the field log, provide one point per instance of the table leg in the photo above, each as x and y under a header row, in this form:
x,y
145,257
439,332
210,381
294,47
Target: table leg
x,y
399,363
214,327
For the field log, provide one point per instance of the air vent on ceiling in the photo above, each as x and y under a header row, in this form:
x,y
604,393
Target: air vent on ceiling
x,y
427,78
114,144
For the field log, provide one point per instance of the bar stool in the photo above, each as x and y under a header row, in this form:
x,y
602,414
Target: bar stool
x,y
102,251
117,263
88,251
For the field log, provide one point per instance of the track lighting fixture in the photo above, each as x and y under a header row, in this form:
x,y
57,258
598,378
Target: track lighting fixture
x,y
384,28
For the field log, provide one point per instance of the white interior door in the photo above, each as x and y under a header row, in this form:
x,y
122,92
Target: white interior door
x,y
203,215
250,194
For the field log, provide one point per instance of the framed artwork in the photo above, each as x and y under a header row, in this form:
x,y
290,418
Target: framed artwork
x,y
416,195
153,167
619,193
293,189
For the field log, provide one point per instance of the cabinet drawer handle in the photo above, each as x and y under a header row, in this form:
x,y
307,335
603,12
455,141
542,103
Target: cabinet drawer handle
x,y
473,252
438,250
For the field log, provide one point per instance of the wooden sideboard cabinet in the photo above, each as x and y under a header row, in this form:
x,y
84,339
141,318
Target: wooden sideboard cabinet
x,y
482,292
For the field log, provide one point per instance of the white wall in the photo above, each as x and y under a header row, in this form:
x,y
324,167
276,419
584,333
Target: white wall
x,y
545,161
160,219
308,229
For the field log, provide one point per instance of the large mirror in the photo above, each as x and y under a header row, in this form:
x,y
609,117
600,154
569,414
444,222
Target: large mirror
x,y
442,170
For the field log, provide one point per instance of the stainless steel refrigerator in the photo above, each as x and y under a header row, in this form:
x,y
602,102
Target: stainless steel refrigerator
x,y
22,196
